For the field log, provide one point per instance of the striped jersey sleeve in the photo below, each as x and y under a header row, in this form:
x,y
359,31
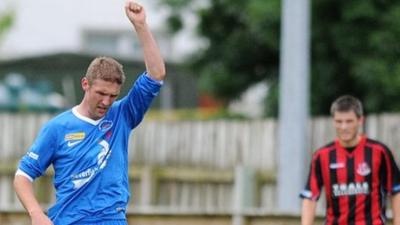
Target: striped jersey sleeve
x,y
314,183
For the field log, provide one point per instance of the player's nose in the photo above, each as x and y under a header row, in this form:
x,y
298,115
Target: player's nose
x,y
106,101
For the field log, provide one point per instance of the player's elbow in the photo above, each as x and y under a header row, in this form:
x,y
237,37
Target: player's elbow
x,y
159,73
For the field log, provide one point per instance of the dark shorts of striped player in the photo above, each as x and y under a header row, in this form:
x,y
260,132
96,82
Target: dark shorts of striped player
x,y
106,222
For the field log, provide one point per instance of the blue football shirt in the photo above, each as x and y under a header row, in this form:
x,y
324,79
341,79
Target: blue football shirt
x,y
90,158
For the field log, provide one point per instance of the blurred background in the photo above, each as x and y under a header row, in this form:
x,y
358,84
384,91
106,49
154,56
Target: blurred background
x,y
245,102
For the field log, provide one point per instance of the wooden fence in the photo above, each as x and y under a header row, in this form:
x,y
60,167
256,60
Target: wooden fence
x,y
190,166
201,144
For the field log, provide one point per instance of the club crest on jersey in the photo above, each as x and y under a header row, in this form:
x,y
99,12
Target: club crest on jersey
x,y
363,169
105,125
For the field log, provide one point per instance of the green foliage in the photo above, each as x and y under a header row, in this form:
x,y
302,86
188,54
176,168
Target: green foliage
x,y
6,21
355,50
175,23
175,20
242,44
243,47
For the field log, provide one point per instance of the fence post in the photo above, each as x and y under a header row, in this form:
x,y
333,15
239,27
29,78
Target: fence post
x,y
148,186
4,191
244,193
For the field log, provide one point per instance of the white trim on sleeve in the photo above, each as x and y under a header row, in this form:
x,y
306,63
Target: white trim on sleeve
x,y
161,82
22,173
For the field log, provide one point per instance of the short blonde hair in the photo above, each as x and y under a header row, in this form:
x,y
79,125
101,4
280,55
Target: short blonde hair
x,y
105,68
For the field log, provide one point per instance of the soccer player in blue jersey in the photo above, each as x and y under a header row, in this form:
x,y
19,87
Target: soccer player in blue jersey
x,y
88,145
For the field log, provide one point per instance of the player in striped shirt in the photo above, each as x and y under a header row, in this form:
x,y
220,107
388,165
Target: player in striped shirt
x,y
357,173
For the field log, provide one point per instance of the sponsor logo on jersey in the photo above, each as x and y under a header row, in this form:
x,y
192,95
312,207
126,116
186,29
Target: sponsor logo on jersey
x,y
363,169
75,136
73,143
105,125
73,139
85,176
353,188
33,155
336,165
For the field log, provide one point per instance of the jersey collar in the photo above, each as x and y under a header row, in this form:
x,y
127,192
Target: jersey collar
x,y
360,145
84,118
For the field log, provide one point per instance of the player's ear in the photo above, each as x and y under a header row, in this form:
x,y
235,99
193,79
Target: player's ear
x,y
361,119
85,84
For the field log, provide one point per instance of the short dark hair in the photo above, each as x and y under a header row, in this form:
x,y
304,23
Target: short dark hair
x,y
105,68
347,103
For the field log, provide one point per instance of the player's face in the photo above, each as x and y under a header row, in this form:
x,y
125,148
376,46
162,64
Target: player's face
x,y
99,96
347,126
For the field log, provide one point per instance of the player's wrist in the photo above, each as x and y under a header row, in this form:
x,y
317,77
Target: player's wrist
x,y
140,26
35,212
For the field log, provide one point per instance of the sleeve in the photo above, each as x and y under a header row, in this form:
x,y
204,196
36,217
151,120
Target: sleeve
x,y
38,158
139,98
391,173
314,182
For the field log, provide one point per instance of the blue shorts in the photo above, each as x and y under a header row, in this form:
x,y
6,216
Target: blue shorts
x,y
106,222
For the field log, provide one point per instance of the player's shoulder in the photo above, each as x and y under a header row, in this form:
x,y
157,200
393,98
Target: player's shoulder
x,y
326,148
60,119
375,144
53,126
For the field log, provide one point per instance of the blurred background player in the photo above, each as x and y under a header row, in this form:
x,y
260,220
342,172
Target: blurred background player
x,y
357,173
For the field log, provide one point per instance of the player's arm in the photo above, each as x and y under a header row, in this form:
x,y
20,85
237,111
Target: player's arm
x,y
308,212
396,209
152,56
393,184
312,191
24,189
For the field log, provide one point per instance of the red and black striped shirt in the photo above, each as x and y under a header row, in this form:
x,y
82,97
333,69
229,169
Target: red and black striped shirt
x,y
356,183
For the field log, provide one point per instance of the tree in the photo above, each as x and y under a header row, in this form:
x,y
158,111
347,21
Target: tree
x,y
6,21
354,50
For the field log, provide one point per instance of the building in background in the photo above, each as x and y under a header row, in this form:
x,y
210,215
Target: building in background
x,y
47,28
52,82
90,26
